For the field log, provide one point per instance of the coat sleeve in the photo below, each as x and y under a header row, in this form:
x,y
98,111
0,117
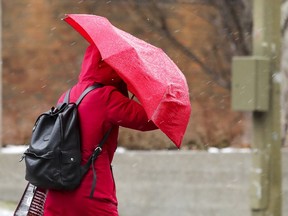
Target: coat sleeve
x,y
125,112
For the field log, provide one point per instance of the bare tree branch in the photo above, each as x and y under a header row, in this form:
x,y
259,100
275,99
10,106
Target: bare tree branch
x,y
231,33
159,23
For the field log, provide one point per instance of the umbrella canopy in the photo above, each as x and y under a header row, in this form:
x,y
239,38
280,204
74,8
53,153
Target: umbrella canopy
x,y
149,73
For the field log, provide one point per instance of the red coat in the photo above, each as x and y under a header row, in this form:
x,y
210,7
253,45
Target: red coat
x,y
99,110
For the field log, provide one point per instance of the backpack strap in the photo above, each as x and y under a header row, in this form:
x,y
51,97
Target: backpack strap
x,y
84,93
93,157
67,96
87,90
98,149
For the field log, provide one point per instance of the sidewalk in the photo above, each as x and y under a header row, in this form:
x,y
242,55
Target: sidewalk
x,y
164,183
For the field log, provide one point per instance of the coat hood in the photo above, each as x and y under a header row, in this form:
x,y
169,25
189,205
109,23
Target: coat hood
x,y
95,70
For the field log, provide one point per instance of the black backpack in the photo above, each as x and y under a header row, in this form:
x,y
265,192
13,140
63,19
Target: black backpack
x,y
53,158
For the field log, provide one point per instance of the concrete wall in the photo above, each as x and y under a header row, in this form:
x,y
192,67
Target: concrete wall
x,y
168,183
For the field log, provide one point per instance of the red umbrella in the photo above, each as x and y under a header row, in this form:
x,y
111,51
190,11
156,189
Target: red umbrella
x,y
148,72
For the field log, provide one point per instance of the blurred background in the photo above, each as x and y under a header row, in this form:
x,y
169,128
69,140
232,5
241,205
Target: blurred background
x,y
42,55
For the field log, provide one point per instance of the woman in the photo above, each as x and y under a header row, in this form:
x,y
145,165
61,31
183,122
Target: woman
x,y
100,110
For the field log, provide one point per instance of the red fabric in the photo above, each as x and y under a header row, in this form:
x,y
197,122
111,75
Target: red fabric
x,y
99,110
149,73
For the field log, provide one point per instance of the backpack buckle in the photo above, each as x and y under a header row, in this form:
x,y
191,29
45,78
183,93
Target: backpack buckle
x,y
96,152
98,149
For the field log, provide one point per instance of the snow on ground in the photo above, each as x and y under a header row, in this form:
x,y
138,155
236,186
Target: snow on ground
x,y
19,149
7,209
4,212
13,149
120,150
228,150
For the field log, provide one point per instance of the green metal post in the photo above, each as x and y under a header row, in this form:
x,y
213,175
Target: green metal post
x,y
266,183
